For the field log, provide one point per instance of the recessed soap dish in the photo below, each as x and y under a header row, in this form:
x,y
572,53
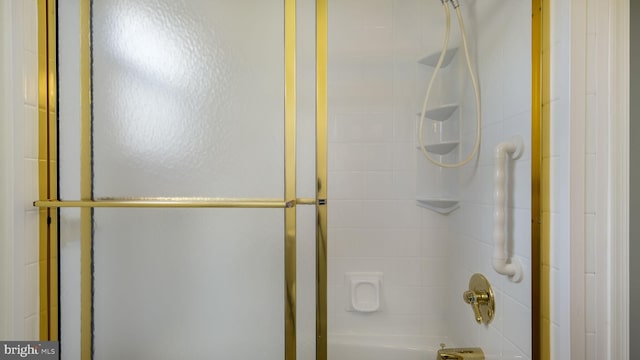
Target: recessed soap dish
x,y
363,291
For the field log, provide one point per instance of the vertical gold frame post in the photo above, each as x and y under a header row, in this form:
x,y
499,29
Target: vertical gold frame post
x,y
545,196
290,178
540,210
536,54
86,186
47,169
321,173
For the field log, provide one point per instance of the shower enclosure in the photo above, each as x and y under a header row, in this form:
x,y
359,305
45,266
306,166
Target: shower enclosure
x,y
242,179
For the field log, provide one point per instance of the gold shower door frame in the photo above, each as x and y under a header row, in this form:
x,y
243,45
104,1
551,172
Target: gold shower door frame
x,y
50,202
47,156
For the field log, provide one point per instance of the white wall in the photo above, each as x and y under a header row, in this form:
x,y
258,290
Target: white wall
x,y
20,170
597,55
580,77
579,141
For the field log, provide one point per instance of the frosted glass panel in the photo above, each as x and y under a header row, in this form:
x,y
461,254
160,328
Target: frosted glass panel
x,y
188,98
69,98
189,284
70,283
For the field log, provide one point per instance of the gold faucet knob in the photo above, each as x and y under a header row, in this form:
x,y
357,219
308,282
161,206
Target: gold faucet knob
x,y
472,298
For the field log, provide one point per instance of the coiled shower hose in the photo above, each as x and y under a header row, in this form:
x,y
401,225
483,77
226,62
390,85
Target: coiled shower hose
x,y
474,82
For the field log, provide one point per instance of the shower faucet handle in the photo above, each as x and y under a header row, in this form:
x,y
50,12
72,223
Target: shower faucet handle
x,y
480,297
475,299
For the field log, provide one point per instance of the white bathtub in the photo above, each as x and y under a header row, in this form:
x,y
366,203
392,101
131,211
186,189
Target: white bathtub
x,y
375,347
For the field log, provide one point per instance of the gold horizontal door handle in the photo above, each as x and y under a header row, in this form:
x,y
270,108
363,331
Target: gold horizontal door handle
x,y
176,202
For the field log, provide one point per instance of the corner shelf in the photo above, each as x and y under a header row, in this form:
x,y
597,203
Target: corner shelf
x,y
437,188
441,113
432,60
441,206
442,148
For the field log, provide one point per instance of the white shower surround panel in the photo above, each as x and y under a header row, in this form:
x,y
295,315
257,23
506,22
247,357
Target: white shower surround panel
x,y
502,44
375,87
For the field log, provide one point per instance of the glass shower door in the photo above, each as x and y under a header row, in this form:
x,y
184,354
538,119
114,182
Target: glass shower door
x,y
172,120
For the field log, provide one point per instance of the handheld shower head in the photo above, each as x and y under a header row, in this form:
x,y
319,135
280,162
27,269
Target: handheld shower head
x,y
474,82
455,3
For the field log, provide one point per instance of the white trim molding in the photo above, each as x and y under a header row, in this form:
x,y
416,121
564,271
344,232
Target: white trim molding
x,y
619,180
577,166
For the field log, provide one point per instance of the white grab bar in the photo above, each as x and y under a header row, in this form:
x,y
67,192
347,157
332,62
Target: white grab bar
x,y
501,263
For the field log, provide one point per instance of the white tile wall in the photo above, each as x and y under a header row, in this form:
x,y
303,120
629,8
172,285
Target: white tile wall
x,y
502,50
374,225
20,60
29,24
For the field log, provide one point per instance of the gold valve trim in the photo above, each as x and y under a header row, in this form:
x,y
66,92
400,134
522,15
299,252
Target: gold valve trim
x,y
481,298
